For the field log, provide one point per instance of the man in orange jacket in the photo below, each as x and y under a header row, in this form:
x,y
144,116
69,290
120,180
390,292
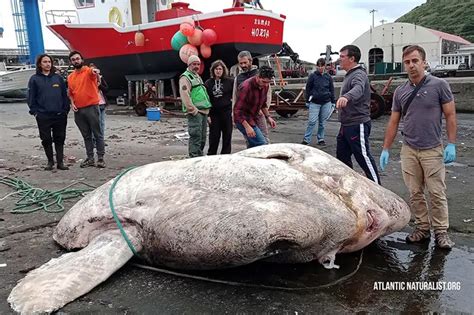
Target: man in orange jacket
x,y
84,96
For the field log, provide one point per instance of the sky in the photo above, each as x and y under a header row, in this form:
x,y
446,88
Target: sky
x,y
309,27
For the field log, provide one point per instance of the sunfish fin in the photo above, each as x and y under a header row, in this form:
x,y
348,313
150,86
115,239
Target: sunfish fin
x,y
275,151
63,279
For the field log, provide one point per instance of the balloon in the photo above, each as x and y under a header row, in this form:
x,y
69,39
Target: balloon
x,y
205,51
209,37
189,20
187,29
196,38
186,51
178,40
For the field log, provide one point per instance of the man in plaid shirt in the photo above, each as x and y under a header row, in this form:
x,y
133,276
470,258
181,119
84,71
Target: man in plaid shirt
x,y
252,98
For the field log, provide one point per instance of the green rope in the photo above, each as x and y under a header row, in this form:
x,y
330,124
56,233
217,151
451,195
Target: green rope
x,y
111,203
32,199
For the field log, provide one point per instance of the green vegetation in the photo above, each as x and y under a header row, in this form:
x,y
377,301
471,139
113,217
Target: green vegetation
x,y
451,16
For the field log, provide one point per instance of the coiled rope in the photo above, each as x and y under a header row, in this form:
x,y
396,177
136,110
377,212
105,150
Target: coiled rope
x,y
32,199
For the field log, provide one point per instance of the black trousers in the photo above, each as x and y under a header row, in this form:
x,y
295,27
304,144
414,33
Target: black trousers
x,y
221,124
52,129
354,140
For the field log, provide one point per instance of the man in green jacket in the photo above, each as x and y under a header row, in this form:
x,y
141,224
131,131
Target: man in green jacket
x,y
196,105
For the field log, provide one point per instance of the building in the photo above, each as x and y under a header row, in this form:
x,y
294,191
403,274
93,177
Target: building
x,y
385,44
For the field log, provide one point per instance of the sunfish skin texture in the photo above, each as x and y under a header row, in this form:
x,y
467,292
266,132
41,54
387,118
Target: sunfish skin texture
x,y
285,200
280,203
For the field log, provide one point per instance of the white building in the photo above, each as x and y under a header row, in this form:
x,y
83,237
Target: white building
x,y
385,43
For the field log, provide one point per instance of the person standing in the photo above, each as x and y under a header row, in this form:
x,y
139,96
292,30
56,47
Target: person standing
x,y
49,103
251,101
247,70
84,96
196,105
421,102
219,88
354,107
321,101
103,103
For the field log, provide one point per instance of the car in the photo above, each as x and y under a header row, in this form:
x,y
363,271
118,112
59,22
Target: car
x,y
463,66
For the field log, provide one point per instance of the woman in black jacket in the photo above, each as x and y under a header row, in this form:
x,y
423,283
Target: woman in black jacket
x,y
49,103
220,87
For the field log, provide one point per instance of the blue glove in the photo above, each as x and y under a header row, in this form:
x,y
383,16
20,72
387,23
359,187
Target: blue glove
x,y
450,153
384,159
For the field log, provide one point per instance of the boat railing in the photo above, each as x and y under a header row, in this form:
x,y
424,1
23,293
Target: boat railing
x,y
61,17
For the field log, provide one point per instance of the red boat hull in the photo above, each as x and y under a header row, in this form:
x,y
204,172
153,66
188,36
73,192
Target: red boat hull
x,y
114,51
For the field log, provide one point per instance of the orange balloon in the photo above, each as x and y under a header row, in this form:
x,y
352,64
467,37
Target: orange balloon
x,y
186,51
196,38
205,51
187,29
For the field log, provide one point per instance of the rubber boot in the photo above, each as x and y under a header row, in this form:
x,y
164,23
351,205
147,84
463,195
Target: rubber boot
x,y
60,157
49,154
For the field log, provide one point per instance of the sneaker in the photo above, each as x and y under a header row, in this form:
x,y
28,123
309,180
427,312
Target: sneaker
x,y
304,142
418,236
87,163
100,163
443,241
322,142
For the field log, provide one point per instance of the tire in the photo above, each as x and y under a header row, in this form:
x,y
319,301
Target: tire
x,y
290,97
377,106
140,109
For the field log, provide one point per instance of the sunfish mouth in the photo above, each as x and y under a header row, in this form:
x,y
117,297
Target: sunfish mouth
x,y
373,222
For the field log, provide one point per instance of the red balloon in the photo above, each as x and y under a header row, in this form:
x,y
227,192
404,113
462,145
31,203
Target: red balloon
x,y
205,51
186,51
196,38
209,37
187,29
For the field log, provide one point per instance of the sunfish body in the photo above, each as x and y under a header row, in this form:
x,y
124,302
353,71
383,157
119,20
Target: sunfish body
x,y
282,203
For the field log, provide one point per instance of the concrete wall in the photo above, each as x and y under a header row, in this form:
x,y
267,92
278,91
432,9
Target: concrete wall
x,y
463,90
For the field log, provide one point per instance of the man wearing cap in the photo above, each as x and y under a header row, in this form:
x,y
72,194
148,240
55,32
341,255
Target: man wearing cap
x,y
196,105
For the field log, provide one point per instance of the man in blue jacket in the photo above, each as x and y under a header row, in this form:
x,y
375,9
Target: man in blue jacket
x,y
49,103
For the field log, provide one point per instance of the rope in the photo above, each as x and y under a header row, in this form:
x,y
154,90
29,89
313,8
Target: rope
x,y
112,208
32,199
252,285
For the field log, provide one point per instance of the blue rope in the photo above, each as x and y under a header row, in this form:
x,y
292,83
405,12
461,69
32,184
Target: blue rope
x,y
111,203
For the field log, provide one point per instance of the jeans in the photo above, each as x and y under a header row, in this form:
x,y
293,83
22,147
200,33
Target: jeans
x,y
256,141
317,114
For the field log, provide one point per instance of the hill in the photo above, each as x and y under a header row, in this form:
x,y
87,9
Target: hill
x,y
451,16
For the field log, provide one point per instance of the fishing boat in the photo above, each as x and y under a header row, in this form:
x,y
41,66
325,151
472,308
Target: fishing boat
x,y
14,80
105,34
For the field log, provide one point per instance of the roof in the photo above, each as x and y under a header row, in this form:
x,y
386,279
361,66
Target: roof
x,y
450,37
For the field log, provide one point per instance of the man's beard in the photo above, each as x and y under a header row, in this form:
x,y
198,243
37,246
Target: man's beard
x,y
78,66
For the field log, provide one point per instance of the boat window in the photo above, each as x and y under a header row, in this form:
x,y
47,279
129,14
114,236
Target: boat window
x,y
84,3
